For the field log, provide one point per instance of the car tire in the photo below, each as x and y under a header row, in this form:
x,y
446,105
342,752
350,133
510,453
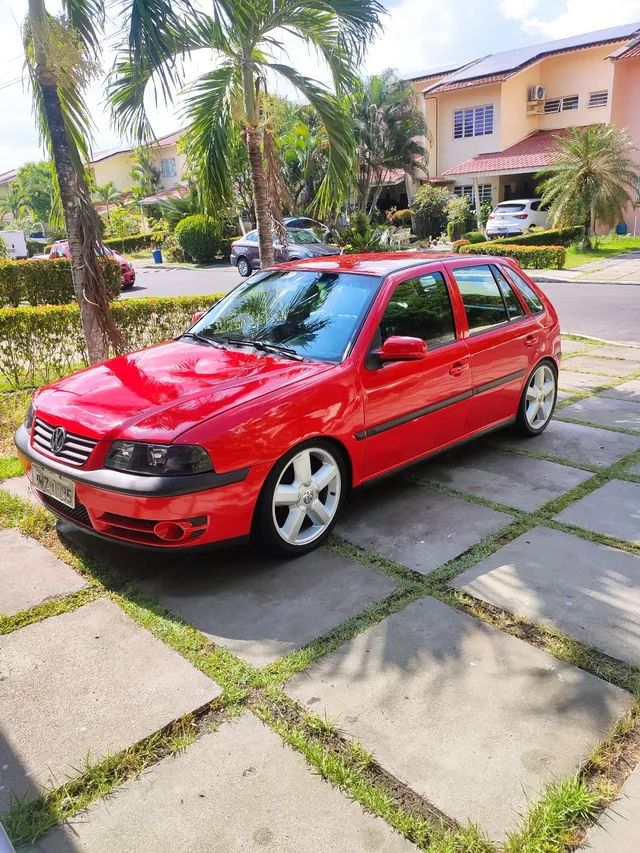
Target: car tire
x,y
538,400
244,267
301,499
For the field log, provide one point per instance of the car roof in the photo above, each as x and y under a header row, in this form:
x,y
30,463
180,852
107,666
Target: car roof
x,y
517,200
383,263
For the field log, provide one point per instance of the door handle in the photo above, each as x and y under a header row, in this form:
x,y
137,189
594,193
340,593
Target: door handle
x,y
530,340
457,367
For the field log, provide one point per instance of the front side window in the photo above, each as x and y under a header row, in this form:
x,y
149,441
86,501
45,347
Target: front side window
x,y
169,167
527,292
481,296
474,121
312,314
420,308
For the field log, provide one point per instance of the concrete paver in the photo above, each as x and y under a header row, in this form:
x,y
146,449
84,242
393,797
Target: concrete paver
x,y
634,469
605,366
83,684
235,789
506,478
417,527
608,351
262,609
570,346
582,445
29,573
585,589
604,411
613,509
627,391
581,381
618,831
474,720
19,487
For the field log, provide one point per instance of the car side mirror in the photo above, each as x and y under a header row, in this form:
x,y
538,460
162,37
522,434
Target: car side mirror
x,y
197,315
402,348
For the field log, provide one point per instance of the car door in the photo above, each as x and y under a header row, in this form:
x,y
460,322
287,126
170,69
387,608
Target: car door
x,y
414,407
503,343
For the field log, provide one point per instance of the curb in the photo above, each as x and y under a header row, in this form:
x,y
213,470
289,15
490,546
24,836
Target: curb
x,y
546,280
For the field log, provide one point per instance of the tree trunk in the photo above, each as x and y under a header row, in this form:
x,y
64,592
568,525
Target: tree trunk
x,y
88,281
261,198
585,243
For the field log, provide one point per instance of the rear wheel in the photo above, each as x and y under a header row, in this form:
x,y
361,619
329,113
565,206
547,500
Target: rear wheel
x,y
301,498
538,400
244,267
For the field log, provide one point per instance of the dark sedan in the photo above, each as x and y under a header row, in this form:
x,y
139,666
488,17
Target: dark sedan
x,y
245,252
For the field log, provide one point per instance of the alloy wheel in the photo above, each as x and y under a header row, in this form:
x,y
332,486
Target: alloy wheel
x,y
306,496
243,267
540,397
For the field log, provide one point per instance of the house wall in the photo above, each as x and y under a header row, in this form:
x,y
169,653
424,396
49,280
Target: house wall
x,y
116,169
166,152
453,151
625,113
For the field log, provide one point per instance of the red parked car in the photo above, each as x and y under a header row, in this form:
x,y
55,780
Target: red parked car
x,y
307,380
60,249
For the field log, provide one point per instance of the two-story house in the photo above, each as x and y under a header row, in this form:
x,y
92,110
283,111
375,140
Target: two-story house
x,y
492,122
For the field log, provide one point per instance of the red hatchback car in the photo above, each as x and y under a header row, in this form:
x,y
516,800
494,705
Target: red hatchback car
x,y
60,249
307,380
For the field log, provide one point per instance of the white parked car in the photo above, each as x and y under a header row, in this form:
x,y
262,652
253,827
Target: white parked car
x,y
511,218
16,244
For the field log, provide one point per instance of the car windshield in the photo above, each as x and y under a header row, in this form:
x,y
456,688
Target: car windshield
x,y
300,235
312,314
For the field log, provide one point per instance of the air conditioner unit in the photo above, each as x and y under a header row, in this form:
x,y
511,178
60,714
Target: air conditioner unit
x,y
536,93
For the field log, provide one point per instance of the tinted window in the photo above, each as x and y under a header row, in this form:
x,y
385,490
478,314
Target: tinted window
x,y
510,208
535,205
481,297
512,302
420,308
528,294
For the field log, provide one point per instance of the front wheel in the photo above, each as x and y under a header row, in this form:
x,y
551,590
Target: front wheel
x,y
538,400
243,267
301,498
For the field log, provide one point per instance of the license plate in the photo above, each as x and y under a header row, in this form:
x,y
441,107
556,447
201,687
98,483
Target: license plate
x,y
53,485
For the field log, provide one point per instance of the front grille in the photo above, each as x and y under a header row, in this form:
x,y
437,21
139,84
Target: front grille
x,y
78,514
75,450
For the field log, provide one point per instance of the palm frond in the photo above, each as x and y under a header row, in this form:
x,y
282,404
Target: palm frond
x,y
87,17
334,188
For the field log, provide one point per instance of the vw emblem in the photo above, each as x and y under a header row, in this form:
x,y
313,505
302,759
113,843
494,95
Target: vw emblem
x,y
307,497
57,440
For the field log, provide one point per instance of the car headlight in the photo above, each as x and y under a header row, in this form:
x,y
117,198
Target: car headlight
x,y
29,416
160,459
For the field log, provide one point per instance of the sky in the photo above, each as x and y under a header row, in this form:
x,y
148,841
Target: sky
x,y
418,35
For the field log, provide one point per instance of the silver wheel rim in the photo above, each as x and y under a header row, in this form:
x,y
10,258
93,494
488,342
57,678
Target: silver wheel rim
x,y
306,497
541,392
243,267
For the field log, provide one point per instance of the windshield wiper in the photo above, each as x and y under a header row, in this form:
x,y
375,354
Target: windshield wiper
x,y
198,337
265,346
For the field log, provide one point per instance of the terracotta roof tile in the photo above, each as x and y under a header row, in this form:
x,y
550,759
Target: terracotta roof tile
x,y
534,152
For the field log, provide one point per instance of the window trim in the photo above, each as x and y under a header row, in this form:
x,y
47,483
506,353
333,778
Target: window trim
x,y
514,281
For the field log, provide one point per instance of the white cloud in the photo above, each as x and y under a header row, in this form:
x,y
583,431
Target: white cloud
x,y
517,10
581,16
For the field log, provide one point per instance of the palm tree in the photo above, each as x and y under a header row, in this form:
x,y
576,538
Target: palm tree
x,y
244,35
60,57
388,127
107,194
592,180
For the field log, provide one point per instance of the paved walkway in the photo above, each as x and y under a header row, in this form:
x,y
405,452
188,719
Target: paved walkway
x,y
225,685
621,269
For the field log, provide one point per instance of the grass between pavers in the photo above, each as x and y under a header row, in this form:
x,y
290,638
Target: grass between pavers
x,y
51,607
623,430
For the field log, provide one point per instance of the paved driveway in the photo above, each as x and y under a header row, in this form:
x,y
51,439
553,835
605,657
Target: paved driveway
x,y
473,626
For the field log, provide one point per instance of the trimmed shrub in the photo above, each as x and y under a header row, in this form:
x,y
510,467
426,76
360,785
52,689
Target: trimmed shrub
x,y
133,243
4,252
198,238
38,345
550,237
34,247
48,282
457,245
529,257
474,237
430,206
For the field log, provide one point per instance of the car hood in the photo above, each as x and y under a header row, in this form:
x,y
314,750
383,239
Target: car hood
x,y
162,391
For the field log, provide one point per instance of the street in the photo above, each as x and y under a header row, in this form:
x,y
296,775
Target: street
x,y
609,311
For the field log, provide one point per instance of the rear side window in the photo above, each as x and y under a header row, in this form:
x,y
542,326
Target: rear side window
x,y
535,205
528,294
420,308
481,297
514,308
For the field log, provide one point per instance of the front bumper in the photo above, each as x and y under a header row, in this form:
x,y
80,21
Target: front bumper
x,y
164,512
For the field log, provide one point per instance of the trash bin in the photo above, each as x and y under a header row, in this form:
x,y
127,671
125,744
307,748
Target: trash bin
x,y
621,229
156,254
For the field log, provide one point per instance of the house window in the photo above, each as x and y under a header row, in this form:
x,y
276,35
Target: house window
x,y
168,167
484,192
599,99
475,121
554,105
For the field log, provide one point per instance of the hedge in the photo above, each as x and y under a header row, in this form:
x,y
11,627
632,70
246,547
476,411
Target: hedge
x,y
529,257
551,237
38,345
134,243
47,282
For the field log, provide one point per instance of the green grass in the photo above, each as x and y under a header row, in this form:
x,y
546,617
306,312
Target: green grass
x,y
12,409
606,247
51,607
10,467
